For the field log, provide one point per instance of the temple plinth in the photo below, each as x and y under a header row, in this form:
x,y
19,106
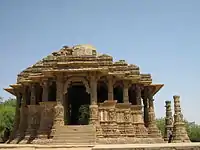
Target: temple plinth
x,y
77,91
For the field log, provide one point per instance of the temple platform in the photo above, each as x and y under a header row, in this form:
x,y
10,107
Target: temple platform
x,y
163,146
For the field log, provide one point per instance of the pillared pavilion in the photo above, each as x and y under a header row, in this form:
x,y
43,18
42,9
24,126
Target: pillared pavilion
x,y
77,95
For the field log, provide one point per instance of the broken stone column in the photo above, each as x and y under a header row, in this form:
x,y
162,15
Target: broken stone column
x,y
168,120
179,130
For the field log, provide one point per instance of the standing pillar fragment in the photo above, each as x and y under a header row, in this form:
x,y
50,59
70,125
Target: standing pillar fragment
x,y
179,130
168,120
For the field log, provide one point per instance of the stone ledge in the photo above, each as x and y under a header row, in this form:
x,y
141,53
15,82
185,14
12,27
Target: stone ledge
x,y
163,146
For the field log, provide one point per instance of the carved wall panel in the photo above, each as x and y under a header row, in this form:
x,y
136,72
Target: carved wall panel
x,y
124,119
107,117
47,115
137,121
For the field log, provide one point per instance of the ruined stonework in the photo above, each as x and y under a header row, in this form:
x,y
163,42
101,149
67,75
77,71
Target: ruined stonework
x,y
168,120
179,130
51,92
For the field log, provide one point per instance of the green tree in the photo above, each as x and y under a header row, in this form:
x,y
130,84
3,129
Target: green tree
x,y
7,113
161,125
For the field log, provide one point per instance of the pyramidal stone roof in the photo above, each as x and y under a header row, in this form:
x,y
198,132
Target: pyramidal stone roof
x,y
83,58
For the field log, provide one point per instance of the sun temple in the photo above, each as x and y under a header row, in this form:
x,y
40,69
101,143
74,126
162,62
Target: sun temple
x,y
77,95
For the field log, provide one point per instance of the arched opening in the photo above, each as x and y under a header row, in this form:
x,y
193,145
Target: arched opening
x,y
132,96
52,92
76,103
102,92
118,94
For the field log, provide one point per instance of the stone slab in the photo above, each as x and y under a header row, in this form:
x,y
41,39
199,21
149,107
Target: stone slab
x,y
163,146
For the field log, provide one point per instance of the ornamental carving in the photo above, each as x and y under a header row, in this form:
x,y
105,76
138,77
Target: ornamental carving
x,y
59,111
76,79
93,111
126,116
112,115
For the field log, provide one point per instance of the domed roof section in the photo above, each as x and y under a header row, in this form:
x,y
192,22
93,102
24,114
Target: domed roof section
x,y
84,50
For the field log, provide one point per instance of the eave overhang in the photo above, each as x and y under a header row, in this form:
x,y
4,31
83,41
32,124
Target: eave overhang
x,y
156,88
10,90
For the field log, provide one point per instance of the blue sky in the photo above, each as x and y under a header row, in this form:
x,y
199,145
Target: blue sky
x,y
162,37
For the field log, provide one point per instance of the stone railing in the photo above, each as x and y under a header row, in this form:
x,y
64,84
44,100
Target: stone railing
x,y
138,121
121,119
107,118
34,113
47,116
124,119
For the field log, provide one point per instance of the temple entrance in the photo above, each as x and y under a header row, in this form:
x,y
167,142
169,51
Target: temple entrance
x,y
77,102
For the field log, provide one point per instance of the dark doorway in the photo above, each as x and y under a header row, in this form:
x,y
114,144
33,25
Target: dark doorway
x,y
52,92
77,105
118,94
132,96
102,92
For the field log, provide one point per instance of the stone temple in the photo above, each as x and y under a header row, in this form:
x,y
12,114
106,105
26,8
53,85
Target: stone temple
x,y
77,95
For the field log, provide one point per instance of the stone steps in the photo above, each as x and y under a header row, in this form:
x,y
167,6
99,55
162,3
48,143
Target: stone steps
x,y
80,134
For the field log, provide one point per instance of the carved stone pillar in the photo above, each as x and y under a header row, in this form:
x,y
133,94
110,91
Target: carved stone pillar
x,y
179,130
23,115
138,90
93,97
153,130
110,88
146,108
93,89
45,91
33,95
168,120
31,109
17,116
33,114
138,122
125,92
58,109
